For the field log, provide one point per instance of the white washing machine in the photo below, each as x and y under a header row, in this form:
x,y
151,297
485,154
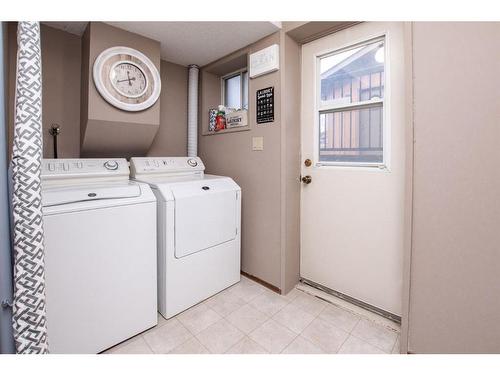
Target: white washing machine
x,y
199,230
100,262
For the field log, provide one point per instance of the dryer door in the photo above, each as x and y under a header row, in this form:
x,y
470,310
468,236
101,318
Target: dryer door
x,y
205,215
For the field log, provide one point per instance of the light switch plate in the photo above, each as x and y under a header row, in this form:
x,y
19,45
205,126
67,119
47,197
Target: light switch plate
x,y
257,143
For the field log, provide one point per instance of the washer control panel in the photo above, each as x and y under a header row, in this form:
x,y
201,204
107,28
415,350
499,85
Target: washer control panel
x,y
174,165
83,168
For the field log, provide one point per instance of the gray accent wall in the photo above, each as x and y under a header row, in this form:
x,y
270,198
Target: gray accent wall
x,y
6,338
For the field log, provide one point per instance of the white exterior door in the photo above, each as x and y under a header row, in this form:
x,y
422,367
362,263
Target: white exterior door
x,y
353,119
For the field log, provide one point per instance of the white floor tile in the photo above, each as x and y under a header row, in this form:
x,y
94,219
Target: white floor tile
x,y
293,318
302,346
161,320
349,306
192,346
246,289
225,303
247,318
377,335
339,317
269,302
353,345
397,346
291,295
219,337
247,346
326,336
272,336
296,323
164,338
198,317
309,304
137,345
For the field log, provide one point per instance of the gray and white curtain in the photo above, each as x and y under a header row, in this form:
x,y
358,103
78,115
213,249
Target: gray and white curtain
x,y
29,315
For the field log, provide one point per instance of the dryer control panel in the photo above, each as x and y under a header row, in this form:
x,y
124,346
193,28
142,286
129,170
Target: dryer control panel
x,y
63,169
167,165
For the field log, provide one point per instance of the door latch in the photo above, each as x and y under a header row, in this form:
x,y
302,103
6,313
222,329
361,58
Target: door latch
x,y
306,179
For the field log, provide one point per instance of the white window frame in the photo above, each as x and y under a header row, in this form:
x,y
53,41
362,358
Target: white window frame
x,y
331,106
239,72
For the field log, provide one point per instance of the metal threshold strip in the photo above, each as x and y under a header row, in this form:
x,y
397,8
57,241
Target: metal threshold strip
x,y
352,300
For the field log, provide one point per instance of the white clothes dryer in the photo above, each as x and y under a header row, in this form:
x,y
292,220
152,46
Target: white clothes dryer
x,y
199,230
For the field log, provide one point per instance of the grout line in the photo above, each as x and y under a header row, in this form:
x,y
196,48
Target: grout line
x,y
378,347
335,325
149,346
399,349
340,347
232,346
290,343
203,346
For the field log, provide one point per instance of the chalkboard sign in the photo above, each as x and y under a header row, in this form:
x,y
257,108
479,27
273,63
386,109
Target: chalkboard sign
x,y
265,105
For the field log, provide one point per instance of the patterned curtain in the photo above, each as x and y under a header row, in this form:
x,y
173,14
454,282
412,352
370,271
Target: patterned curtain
x,y
29,319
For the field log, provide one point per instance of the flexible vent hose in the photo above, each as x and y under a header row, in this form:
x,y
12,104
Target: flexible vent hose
x,y
192,147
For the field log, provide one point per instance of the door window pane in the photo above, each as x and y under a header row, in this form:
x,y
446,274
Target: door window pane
x,y
351,135
353,75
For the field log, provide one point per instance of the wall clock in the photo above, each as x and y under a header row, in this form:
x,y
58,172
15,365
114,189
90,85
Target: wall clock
x,y
127,79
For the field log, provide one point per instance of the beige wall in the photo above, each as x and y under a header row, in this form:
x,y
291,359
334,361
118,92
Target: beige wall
x,y
61,60
262,175
290,162
455,259
171,139
106,130
61,56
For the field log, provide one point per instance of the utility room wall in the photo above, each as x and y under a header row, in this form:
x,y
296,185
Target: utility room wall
x,y
61,59
455,261
61,79
268,178
171,139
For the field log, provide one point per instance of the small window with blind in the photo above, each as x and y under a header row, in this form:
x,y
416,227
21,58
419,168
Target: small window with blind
x,y
235,90
351,105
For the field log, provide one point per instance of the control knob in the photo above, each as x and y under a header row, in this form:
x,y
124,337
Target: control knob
x,y
192,162
111,165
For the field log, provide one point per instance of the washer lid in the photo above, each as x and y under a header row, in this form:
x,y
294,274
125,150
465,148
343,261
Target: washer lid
x,y
65,195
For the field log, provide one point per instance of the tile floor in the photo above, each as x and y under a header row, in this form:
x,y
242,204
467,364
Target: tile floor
x,y
249,319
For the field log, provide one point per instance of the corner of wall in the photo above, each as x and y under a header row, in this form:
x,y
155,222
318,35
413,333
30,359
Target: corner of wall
x,y
290,161
407,247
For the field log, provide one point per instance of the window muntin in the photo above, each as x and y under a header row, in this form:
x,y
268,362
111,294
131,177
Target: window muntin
x,y
235,90
351,103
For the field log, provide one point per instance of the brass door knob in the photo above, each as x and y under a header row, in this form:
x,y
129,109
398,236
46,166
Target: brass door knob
x,y
306,180
307,162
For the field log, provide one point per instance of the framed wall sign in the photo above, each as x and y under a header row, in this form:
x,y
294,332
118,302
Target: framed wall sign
x,y
265,105
265,61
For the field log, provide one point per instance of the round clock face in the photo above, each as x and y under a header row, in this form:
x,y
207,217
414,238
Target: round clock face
x,y
127,79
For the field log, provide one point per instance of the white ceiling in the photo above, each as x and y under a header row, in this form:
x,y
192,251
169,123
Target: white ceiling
x,y
199,42
76,28
190,42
